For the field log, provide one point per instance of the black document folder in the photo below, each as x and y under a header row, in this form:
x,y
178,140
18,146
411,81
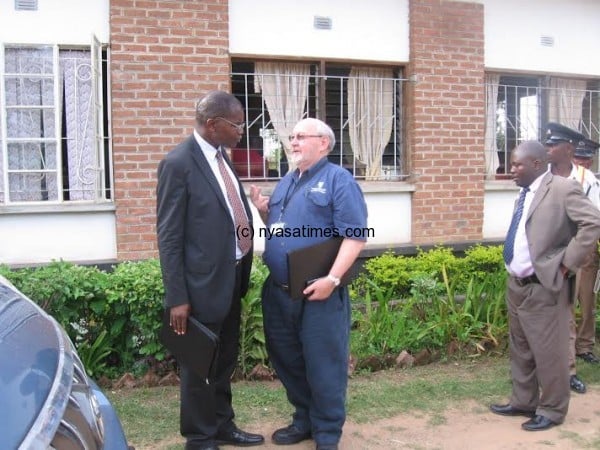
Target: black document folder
x,y
309,263
196,349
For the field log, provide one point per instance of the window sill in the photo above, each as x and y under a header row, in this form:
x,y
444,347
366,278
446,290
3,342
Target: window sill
x,y
56,208
366,186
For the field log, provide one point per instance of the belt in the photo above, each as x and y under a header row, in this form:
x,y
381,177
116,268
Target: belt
x,y
526,280
283,287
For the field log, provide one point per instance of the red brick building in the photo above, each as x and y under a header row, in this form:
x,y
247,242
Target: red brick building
x,y
454,93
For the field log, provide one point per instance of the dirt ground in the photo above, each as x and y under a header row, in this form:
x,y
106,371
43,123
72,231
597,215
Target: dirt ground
x,y
468,426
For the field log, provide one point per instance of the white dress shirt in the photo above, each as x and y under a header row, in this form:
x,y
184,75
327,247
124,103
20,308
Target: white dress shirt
x,y
589,183
210,154
521,265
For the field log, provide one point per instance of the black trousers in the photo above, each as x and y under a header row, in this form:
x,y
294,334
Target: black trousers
x,y
206,409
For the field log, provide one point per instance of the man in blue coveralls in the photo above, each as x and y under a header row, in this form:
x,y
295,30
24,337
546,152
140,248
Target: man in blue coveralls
x,y
308,339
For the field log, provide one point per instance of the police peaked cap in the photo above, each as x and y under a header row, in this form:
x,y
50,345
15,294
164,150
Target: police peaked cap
x,y
556,133
586,148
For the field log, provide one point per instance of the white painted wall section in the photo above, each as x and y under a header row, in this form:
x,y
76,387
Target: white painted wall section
x,y
375,30
514,28
41,238
67,22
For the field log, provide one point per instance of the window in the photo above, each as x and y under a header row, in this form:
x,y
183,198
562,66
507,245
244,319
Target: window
x,y
53,146
361,104
519,107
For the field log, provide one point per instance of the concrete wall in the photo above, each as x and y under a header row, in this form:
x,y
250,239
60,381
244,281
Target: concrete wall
x,y
55,22
375,30
165,54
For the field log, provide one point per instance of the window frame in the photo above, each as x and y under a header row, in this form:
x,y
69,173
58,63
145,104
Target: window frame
x,y
101,150
523,82
318,105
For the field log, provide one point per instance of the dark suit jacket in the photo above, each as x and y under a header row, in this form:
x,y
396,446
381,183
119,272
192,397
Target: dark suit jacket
x,y
562,226
196,236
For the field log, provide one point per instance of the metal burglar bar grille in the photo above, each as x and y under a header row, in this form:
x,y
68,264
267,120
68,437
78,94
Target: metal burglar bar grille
x,y
526,104
260,154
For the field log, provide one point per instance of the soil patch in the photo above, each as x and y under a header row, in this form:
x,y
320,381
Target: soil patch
x,y
469,425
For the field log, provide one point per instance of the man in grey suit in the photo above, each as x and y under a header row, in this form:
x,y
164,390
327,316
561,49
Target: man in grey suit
x,y
554,227
202,219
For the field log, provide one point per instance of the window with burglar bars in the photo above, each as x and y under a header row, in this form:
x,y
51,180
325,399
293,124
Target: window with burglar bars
x,y
518,107
53,143
362,105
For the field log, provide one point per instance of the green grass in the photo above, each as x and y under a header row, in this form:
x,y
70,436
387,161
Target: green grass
x,y
150,416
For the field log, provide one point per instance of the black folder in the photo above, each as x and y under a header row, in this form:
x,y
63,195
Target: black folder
x,y
309,263
196,349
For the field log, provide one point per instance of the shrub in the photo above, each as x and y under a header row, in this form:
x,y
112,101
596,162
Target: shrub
x,y
390,273
399,303
252,337
134,312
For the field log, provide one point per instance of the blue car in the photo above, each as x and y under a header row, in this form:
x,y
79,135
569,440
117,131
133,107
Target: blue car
x,y
47,399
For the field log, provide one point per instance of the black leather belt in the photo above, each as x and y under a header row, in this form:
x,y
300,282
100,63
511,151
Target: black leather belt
x,y
526,280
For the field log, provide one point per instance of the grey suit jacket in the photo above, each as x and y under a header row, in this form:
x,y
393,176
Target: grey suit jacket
x,y
562,226
196,235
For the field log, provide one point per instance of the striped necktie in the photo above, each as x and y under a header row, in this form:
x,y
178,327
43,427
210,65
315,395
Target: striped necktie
x,y
242,226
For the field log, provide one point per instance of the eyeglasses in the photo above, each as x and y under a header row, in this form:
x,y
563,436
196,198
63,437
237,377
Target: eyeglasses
x,y
237,126
301,137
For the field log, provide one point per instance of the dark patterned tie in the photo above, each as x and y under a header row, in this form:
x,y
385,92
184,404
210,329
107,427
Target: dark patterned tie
x,y
242,227
509,243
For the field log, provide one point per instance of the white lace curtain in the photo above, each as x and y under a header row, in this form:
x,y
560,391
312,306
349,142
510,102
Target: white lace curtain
x,y
285,89
76,70
37,161
491,148
33,88
565,100
370,115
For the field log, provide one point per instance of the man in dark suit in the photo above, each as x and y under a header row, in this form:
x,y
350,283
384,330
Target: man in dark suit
x,y
554,227
203,219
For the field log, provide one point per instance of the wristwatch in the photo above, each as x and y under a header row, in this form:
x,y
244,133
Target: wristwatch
x,y
334,280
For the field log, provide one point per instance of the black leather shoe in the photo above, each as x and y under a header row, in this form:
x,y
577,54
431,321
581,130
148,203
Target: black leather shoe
x,y
327,447
235,436
290,435
538,423
509,410
589,357
577,385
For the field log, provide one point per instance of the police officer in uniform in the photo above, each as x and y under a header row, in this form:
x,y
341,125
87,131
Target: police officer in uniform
x,y
588,272
308,339
561,142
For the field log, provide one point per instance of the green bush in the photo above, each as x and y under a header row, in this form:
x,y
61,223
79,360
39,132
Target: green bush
x,y
388,272
252,337
450,302
134,312
429,301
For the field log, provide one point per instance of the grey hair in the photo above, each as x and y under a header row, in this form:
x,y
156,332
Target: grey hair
x,y
323,129
216,104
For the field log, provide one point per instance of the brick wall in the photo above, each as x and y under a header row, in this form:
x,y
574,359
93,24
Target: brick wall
x,y
164,55
446,114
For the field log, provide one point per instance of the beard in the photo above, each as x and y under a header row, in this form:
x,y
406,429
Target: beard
x,y
296,158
